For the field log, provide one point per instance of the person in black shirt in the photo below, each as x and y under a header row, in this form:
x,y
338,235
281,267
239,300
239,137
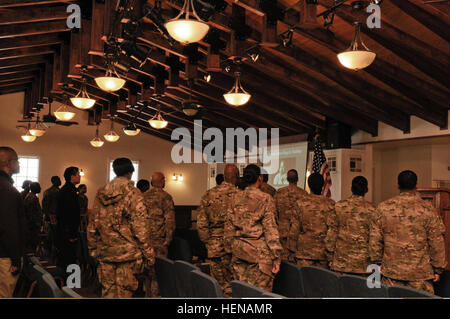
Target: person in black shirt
x,y
68,218
11,223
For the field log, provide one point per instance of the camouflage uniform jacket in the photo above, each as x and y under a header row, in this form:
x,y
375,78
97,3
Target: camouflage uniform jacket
x,y
309,226
162,215
50,201
266,188
285,200
211,216
119,228
407,238
347,240
251,229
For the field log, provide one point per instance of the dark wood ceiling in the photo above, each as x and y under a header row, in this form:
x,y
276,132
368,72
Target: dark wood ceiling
x,y
296,88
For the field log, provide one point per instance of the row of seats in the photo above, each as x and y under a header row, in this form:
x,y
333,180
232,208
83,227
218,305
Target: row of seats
x,y
314,282
39,281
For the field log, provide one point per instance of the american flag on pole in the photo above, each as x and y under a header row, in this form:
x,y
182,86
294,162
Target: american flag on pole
x,y
320,166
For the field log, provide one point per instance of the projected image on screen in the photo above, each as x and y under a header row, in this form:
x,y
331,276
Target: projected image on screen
x,y
291,156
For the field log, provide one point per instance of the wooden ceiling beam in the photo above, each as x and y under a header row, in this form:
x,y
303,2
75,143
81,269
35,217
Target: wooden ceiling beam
x,y
27,52
431,22
36,28
29,14
16,62
22,3
32,41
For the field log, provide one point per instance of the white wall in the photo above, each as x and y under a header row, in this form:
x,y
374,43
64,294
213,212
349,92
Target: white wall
x,y
62,146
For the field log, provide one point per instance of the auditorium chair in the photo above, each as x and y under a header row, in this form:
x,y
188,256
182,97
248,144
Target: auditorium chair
x,y
267,294
69,293
442,287
288,282
48,287
356,287
183,277
242,289
407,292
319,282
165,275
204,286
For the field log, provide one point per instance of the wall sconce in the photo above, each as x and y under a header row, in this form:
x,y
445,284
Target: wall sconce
x,y
177,177
81,173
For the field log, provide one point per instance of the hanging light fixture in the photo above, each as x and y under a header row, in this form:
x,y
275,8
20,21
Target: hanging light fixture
x,y
82,100
38,130
357,56
64,114
112,136
187,30
131,129
28,137
109,82
157,121
237,96
96,141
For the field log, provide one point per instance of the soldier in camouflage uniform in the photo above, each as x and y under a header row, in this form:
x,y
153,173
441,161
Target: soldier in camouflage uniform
x,y
266,188
161,212
285,199
347,240
211,216
251,233
309,225
33,217
407,238
118,233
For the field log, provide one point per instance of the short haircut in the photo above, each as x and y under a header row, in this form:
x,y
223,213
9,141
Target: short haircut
x,y
55,180
315,183
407,180
122,166
251,174
35,188
81,186
359,186
265,178
292,176
143,185
219,179
69,172
26,184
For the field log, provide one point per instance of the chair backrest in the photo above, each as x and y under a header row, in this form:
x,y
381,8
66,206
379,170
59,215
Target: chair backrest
x,y
180,250
48,287
69,293
407,292
242,289
288,282
442,287
354,286
165,275
35,261
204,286
40,269
319,282
183,277
267,294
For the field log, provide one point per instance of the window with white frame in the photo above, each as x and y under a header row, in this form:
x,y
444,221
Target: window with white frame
x,y
135,176
29,170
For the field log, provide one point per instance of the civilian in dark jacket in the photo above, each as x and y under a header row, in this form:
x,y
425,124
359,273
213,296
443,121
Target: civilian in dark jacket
x,y
68,218
11,223
33,218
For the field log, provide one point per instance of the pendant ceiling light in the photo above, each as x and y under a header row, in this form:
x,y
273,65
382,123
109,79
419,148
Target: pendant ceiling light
x,y
237,96
187,30
157,121
111,136
111,81
131,130
96,141
82,100
38,130
357,56
27,137
64,114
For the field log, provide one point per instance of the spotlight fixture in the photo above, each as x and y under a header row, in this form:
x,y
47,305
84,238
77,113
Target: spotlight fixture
x,y
158,121
357,56
38,130
155,17
254,53
187,30
109,82
237,96
82,100
377,2
286,37
96,141
111,136
207,77
131,129
137,53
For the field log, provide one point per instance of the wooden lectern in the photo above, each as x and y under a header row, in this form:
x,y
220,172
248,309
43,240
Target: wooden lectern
x,y
440,198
